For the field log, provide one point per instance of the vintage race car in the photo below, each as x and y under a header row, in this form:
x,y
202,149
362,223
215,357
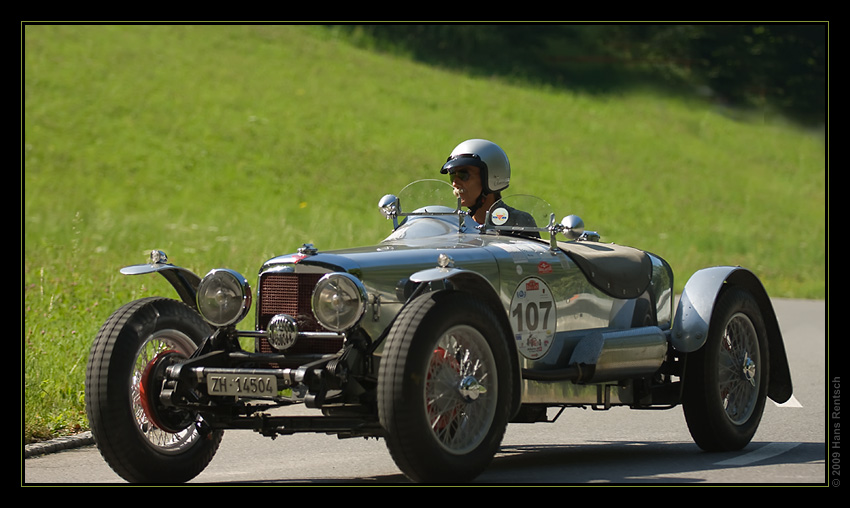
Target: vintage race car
x,y
433,340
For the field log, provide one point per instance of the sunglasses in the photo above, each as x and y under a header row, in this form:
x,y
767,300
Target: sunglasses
x,y
462,174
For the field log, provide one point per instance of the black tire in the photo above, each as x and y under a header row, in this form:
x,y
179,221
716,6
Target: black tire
x,y
439,429
132,446
725,382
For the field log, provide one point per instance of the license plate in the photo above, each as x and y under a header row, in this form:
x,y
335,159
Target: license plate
x,y
244,385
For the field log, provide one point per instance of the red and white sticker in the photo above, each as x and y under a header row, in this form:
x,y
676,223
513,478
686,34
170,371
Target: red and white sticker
x,y
499,216
533,317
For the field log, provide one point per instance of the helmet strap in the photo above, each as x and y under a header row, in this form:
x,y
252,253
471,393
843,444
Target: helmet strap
x,y
475,206
478,204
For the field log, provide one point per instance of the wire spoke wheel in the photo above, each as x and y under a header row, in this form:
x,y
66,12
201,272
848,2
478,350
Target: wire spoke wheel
x,y
459,405
737,376
122,393
160,342
725,382
444,387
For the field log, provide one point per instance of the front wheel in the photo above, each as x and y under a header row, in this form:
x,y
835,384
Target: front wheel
x,y
121,417
445,388
725,383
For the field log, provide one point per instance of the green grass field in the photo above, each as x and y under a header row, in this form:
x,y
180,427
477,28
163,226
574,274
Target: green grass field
x,y
226,145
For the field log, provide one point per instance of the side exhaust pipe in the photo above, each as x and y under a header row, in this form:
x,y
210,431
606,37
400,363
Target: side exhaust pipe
x,y
609,356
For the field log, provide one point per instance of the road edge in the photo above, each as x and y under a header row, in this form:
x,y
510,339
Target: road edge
x,y
58,444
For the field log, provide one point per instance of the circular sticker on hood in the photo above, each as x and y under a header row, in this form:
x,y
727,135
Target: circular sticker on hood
x,y
533,317
499,216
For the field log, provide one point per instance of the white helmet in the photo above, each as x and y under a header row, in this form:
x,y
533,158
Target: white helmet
x,y
483,154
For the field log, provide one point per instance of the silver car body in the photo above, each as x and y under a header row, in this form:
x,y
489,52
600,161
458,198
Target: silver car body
x,y
614,306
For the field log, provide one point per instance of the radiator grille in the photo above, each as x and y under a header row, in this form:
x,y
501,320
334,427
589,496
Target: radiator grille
x,y
290,293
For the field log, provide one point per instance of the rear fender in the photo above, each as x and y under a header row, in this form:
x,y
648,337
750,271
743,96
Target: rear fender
x,y
693,315
184,281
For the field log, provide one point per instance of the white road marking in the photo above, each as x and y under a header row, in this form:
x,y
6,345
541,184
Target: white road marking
x,y
792,402
765,452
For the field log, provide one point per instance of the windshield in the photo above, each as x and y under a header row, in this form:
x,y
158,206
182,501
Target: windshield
x,y
423,209
520,214
428,208
427,196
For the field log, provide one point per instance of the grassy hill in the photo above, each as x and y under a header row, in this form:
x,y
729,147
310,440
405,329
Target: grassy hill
x,y
226,145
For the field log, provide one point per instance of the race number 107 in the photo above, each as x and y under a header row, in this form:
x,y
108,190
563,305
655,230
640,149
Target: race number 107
x,y
528,315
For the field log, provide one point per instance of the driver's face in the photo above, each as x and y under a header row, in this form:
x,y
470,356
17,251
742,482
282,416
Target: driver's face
x,y
466,181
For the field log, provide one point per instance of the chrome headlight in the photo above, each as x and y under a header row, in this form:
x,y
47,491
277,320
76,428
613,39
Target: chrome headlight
x,y
224,297
339,301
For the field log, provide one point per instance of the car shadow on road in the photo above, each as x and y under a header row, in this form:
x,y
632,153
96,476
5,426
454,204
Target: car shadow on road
x,y
616,463
634,462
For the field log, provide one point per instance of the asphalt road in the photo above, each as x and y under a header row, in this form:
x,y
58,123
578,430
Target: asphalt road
x,y
583,447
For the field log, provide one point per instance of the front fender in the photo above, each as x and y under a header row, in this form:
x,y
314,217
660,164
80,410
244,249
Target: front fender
x,y
184,281
693,315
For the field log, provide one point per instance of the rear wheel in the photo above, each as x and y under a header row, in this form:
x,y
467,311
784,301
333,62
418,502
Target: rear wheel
x,y
123,409
725,383
444,388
